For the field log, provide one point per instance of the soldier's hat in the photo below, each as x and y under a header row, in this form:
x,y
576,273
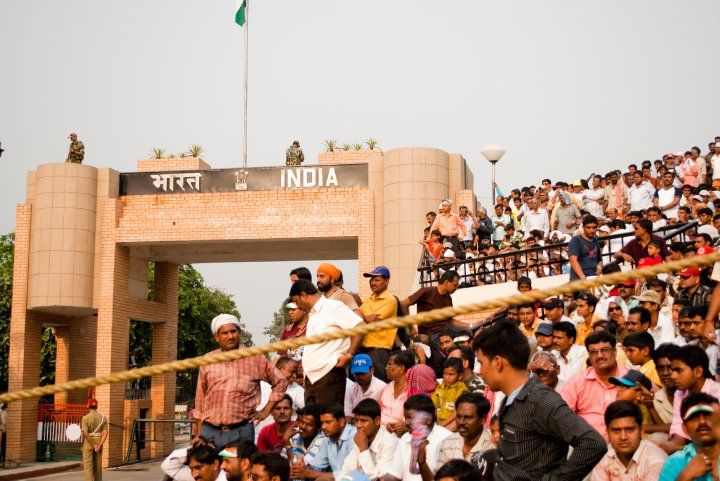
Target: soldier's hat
x,y
295,142
71,134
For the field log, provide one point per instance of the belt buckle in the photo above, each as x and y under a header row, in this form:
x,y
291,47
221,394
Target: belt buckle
x,y
225,428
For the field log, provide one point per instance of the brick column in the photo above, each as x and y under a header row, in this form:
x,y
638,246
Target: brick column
x,y
164,348
113,325
24,361
75,356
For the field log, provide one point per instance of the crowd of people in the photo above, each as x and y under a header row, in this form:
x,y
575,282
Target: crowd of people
x,y
680,188
615,383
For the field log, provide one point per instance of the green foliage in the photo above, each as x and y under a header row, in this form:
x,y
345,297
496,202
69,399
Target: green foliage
x,y
275,329
157,153
330,145
371,143
357,146
195,150
7,254
345,147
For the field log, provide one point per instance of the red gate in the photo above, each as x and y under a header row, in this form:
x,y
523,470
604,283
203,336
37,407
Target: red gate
x,y
59,435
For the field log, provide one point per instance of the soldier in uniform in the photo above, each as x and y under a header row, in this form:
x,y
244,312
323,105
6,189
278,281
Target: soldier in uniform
x,y
95,432
77,150
294,155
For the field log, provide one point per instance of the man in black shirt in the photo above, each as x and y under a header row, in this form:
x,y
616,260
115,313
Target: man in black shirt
x,y
536,426
430,298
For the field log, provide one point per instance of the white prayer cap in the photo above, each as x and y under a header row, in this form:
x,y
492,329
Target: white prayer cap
x,y
223,319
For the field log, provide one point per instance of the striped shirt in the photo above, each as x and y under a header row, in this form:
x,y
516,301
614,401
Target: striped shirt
x,y
228,391
536,430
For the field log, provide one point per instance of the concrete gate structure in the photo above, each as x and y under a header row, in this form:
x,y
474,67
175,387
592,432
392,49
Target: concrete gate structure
x,y
85,236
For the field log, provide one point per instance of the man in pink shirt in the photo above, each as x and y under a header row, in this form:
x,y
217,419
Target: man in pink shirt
x,y
450,226
589,393
691,373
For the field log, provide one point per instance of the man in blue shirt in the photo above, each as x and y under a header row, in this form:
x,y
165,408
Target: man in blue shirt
x,y
584,251
695,461
339,439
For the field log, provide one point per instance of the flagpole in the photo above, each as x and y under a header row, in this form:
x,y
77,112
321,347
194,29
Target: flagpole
x,y
245,85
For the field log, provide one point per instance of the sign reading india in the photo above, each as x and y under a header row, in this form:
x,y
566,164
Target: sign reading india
x,y
258,178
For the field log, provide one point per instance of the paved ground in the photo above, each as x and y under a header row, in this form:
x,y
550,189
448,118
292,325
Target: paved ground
x,y
149,471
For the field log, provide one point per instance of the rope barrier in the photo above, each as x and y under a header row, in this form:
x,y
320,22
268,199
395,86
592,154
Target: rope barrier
x,y
405,321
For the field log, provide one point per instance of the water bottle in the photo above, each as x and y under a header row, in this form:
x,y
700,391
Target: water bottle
x,y
419,432
297,457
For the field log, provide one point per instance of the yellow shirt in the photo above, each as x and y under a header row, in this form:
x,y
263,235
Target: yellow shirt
x,y
583,330
531,331
649,370
444,399
385,306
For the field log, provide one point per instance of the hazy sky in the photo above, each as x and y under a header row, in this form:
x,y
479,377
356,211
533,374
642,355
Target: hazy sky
x,y
566,86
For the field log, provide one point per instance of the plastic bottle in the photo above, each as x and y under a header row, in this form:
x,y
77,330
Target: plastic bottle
x,y
297,457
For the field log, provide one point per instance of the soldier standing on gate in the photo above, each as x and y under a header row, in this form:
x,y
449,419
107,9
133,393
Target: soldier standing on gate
x,y
95,432
77,150
294,155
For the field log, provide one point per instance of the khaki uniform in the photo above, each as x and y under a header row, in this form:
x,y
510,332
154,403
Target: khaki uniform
x,y
93,423
78,155
294,156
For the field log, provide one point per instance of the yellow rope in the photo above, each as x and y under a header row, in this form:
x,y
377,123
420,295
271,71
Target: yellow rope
x,y
421,318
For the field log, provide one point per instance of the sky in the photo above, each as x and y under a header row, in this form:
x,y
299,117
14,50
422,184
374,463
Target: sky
x,y
566,87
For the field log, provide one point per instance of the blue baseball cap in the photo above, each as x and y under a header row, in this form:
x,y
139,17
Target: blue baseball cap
x,y
379,271
361,364
631,379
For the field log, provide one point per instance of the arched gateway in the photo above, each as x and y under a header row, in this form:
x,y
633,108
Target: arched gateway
x,y
85,237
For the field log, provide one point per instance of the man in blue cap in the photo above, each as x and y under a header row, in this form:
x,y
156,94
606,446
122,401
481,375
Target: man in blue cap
x,y
380,306
366,386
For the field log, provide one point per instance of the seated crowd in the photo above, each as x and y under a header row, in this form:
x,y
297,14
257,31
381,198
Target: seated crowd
x,y
670,192
615,383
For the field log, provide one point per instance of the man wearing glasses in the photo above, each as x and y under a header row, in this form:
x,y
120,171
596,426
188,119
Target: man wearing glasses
x,y
589,393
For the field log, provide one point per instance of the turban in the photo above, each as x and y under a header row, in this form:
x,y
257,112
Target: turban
x,y
222,319
329,270
421,380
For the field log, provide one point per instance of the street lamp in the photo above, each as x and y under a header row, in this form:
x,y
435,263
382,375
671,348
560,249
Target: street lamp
x,y
493,153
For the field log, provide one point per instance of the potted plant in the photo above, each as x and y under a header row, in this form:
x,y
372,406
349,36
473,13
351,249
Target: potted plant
x,y
157,153
195,150
330,145
371,143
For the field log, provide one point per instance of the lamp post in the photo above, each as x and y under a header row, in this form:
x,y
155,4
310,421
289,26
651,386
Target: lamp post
x,y
493,153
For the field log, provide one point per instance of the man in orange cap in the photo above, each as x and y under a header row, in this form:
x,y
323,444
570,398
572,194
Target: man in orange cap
x,y
327,283
94,431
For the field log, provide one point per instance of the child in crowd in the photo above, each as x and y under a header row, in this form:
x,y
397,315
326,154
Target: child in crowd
x,y
495,429
639,348
636,388
447,393
434,246
653,258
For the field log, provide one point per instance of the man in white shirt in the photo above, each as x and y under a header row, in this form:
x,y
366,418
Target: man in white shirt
x,y
640,195
535,218
571,357
715,161
667,197
400,465
374,445
324,363
366,385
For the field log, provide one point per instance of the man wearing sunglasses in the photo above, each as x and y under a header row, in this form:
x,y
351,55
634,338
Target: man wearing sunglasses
x,y
545,366
589,393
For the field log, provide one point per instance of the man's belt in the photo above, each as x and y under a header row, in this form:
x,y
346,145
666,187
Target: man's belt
x,y
229,427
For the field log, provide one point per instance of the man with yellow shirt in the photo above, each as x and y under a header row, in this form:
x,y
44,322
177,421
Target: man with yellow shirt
x,y
585,316
381,305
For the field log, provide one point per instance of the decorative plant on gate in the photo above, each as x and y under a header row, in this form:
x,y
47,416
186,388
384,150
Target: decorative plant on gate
x,y
330,145
357,146
345,147
195,150
371,143
157,153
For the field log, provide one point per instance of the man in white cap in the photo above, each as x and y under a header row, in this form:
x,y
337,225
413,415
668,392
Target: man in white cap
x,y
228,392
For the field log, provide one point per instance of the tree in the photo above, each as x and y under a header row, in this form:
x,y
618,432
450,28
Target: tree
x,y
280,320
7,254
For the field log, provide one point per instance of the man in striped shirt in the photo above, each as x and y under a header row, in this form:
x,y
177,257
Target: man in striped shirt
x,y
536,426
228,392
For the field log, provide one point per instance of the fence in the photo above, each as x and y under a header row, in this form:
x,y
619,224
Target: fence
x,y
59,434
541,261
146,431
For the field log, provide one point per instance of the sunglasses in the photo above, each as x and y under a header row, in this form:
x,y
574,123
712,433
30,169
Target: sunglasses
x,y
541,372
613,309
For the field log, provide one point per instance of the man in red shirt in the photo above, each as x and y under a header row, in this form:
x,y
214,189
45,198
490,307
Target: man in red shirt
x,y
271,436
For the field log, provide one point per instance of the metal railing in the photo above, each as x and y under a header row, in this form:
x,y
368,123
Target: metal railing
x,y
542,261
139,435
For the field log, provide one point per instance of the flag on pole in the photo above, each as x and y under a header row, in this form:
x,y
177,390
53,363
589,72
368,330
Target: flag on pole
x,y
240,12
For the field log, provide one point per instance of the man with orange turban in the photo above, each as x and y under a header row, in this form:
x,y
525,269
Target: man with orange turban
x,y
328,277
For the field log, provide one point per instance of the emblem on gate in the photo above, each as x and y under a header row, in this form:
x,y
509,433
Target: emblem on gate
x,y
241,179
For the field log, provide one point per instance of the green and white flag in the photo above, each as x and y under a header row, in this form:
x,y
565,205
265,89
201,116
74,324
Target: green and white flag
x,y
240,12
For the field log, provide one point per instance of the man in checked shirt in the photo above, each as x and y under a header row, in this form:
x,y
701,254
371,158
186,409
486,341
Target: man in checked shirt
x,y
228,392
